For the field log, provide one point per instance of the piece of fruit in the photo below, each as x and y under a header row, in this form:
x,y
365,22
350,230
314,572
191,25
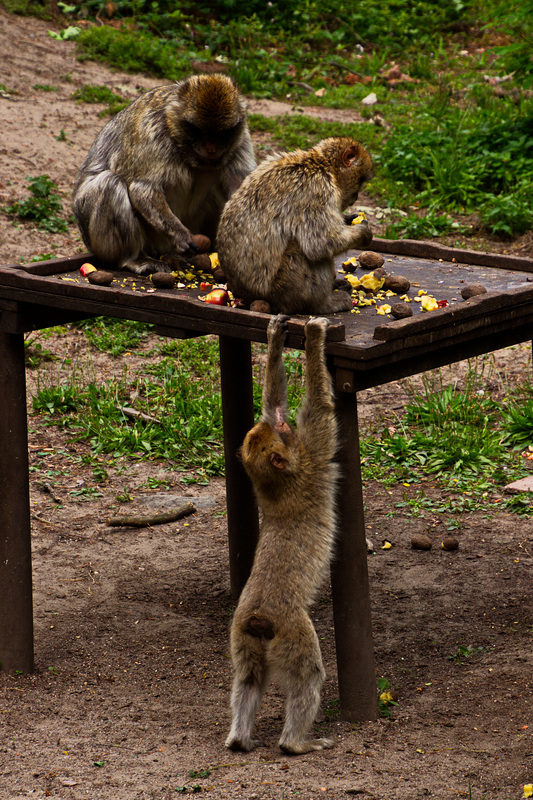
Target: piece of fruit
x,y
397,284
420,542
213,257
260,306
371,283
449,543
353,281
163,280
370,260
428,303
86,268
218,297
203,243
384,309
359,218
350,265
100,277
472,290
202,262
401,310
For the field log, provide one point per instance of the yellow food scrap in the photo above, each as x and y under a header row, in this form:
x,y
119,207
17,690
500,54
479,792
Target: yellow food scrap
x,y
428,303
371,283
189,276
384,309
359,218
528,790
213,257
421,292
354,282
350,262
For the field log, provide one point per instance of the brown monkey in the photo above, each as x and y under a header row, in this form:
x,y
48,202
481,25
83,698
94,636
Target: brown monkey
x,y
161,170
294,479
281,229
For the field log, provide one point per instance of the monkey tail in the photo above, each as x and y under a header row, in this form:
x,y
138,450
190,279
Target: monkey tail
x,y
260,628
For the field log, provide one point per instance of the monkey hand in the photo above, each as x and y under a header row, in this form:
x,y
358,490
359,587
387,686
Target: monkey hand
x,y
277,329
361,234
316,328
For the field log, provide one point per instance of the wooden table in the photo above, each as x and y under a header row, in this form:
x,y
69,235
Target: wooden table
x,y
363,349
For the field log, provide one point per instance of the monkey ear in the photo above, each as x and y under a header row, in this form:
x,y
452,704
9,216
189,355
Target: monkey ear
x,y
277,461
350,155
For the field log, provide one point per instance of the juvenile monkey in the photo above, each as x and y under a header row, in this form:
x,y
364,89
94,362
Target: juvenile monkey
x,y
281,229
294,479
161,171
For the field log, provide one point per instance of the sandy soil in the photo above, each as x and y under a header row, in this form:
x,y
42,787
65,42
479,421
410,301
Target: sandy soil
x,y
129,699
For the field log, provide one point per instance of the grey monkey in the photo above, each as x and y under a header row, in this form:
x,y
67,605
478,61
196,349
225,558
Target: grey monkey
x,y
161,170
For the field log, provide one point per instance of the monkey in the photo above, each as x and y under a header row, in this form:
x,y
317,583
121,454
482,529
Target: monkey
x,y
280,230
294,478
161,171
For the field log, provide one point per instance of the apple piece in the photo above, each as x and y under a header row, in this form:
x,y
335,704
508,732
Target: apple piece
x,y
86,268
218,297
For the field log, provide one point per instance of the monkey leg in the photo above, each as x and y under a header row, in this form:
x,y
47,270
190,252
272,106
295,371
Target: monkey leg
x,y
249,683
302,287
108,224
301,672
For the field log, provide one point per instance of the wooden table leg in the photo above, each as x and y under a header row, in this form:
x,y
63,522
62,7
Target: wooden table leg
x,y
349,578
16,606
238,414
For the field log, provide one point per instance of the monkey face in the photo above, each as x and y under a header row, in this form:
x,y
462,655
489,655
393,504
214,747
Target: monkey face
x,y
269,451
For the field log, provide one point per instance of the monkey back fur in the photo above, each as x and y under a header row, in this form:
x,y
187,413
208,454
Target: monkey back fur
x,y
280,231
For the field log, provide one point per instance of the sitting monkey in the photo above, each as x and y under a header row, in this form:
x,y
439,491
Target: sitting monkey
x,y
279,232
161,171
294,478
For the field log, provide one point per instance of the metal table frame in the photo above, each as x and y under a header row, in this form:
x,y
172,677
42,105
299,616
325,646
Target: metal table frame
x,y
394,351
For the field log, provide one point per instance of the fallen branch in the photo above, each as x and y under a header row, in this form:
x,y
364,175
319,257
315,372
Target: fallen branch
x,y
136,521
134,414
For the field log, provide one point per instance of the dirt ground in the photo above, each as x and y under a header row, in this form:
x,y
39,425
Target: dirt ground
x,y
129,699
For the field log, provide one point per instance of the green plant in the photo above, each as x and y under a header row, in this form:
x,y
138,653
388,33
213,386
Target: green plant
x,y
386,701
114,336
42,207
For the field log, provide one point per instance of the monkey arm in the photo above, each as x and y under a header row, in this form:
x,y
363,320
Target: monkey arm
x,y
316,420
150,203
275,384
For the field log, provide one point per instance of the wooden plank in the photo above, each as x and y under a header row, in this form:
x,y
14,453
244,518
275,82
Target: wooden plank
x,y
161,307
435,251
517,301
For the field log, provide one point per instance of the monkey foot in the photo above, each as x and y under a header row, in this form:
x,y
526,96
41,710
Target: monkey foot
x,y
246,745
147,266
306,746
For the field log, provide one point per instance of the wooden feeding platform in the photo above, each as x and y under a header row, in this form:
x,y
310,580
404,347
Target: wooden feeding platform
x,y
364,349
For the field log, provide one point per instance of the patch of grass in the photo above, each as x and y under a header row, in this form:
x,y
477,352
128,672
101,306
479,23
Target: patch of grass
x,y
114,336
92,93
43,206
